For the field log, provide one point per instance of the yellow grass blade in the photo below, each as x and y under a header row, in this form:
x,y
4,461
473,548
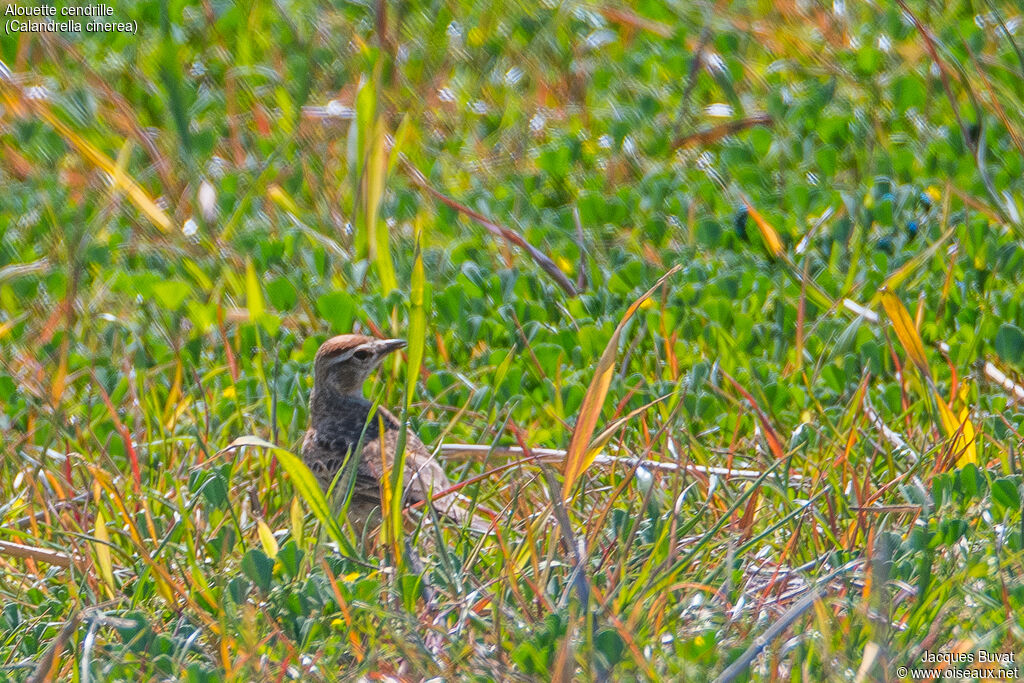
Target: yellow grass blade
x,y
175,403
296,518
382,236
142,201
277,195
374,239
390,494
899,276
580,453
960,429
903,325
101,546
417,314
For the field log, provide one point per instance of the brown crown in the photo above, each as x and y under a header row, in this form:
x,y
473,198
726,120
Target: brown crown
x,y
342,342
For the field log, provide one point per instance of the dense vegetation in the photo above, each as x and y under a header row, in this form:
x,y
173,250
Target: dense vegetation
x,y
187,213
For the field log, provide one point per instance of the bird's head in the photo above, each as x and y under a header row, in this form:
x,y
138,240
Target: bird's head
x,y
344,362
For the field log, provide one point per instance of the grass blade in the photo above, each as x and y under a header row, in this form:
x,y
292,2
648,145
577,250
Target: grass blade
x,y
101,546
142,201
903,272
253,293
306,486
580,453
770,235
959,429
903,325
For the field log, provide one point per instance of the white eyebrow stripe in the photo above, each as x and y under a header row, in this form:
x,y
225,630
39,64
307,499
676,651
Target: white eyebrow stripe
x,y
341,356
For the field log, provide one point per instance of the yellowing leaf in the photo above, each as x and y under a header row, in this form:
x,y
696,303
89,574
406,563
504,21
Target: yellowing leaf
x,y
375,193
174,405
400,138
267,539
253,293
970,449
417,315
59,378
581,453
903,325
771,237
297,518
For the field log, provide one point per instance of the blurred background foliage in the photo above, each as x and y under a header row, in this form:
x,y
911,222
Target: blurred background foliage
x,y
188,212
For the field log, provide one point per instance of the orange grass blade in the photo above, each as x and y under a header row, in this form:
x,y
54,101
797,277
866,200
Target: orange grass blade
x,y
770,235
580,453
770,435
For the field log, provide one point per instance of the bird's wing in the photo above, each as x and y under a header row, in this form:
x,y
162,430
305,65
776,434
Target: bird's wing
x,y
424,477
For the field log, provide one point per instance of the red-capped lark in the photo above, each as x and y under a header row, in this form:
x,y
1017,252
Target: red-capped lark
x,y
345,434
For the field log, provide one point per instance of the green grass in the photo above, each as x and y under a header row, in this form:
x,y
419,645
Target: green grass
x,y
498,182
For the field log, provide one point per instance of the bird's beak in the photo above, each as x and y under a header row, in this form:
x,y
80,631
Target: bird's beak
x,y
386,346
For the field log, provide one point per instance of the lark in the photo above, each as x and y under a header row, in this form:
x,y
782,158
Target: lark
x,y
352,443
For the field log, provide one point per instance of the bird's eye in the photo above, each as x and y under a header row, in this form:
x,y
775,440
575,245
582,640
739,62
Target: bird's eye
x,y
361,355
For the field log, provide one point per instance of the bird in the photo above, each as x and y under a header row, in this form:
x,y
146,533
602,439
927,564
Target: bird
x,y
348,436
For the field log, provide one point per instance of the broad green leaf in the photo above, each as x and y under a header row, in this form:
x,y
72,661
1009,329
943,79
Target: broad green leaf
x,y
1009,343
339,309
258,568
1006,492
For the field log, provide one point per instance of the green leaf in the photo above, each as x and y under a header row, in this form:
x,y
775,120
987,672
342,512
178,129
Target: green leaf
x,y
826,158
909,91
282,294
952,530
1006,492
969,481
1009,343
611,646
215,490
290,558
171,293
258,568
338,309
